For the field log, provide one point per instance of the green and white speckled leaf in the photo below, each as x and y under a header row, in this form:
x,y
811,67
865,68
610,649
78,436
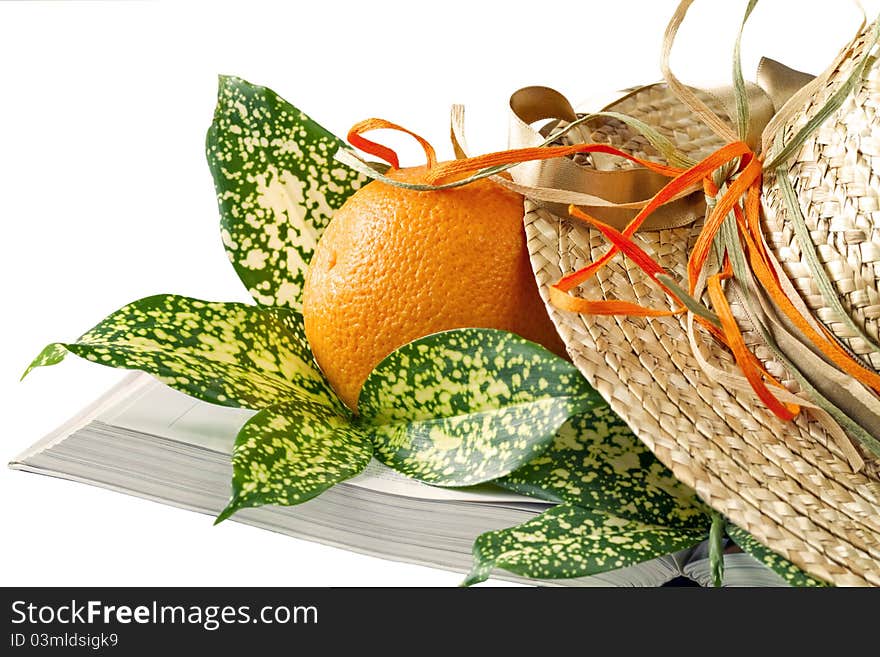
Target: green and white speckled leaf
x,y
595,461
572,541
467,406
277,187
782,566
231,354
289,453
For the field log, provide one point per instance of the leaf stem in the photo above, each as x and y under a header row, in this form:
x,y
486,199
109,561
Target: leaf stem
x,y
716,549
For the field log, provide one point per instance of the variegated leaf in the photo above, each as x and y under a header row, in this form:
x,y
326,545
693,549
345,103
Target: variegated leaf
x,y
595,461
277,186
466,406
780,565
289,453
572,541
231,354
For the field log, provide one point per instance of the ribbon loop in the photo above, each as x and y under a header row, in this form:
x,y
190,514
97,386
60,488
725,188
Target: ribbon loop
x,y
356,139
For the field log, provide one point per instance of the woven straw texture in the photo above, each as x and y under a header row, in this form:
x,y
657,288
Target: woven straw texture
x,y
785,482
836,176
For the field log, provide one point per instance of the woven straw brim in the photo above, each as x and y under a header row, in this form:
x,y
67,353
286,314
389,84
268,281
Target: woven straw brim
x,y
786,483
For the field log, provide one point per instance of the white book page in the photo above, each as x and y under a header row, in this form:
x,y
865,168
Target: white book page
x,y
161,411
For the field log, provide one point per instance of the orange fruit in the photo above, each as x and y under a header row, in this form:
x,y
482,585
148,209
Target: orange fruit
x,y
395,265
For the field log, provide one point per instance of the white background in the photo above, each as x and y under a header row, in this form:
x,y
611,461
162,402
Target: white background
x,y
105,197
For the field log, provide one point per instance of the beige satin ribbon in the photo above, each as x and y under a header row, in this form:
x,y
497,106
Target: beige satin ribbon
x,y
780,83
615,196
612,196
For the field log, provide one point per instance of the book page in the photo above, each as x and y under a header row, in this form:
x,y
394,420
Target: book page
x,y
161,411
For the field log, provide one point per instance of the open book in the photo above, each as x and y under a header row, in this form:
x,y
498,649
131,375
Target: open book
x,y
145,439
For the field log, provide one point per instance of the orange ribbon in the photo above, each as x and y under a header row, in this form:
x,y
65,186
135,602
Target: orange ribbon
x,y
742,198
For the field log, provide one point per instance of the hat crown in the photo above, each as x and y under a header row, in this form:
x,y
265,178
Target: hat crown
x,y
836,178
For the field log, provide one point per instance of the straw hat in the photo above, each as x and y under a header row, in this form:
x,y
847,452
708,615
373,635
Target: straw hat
x,y
789,483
